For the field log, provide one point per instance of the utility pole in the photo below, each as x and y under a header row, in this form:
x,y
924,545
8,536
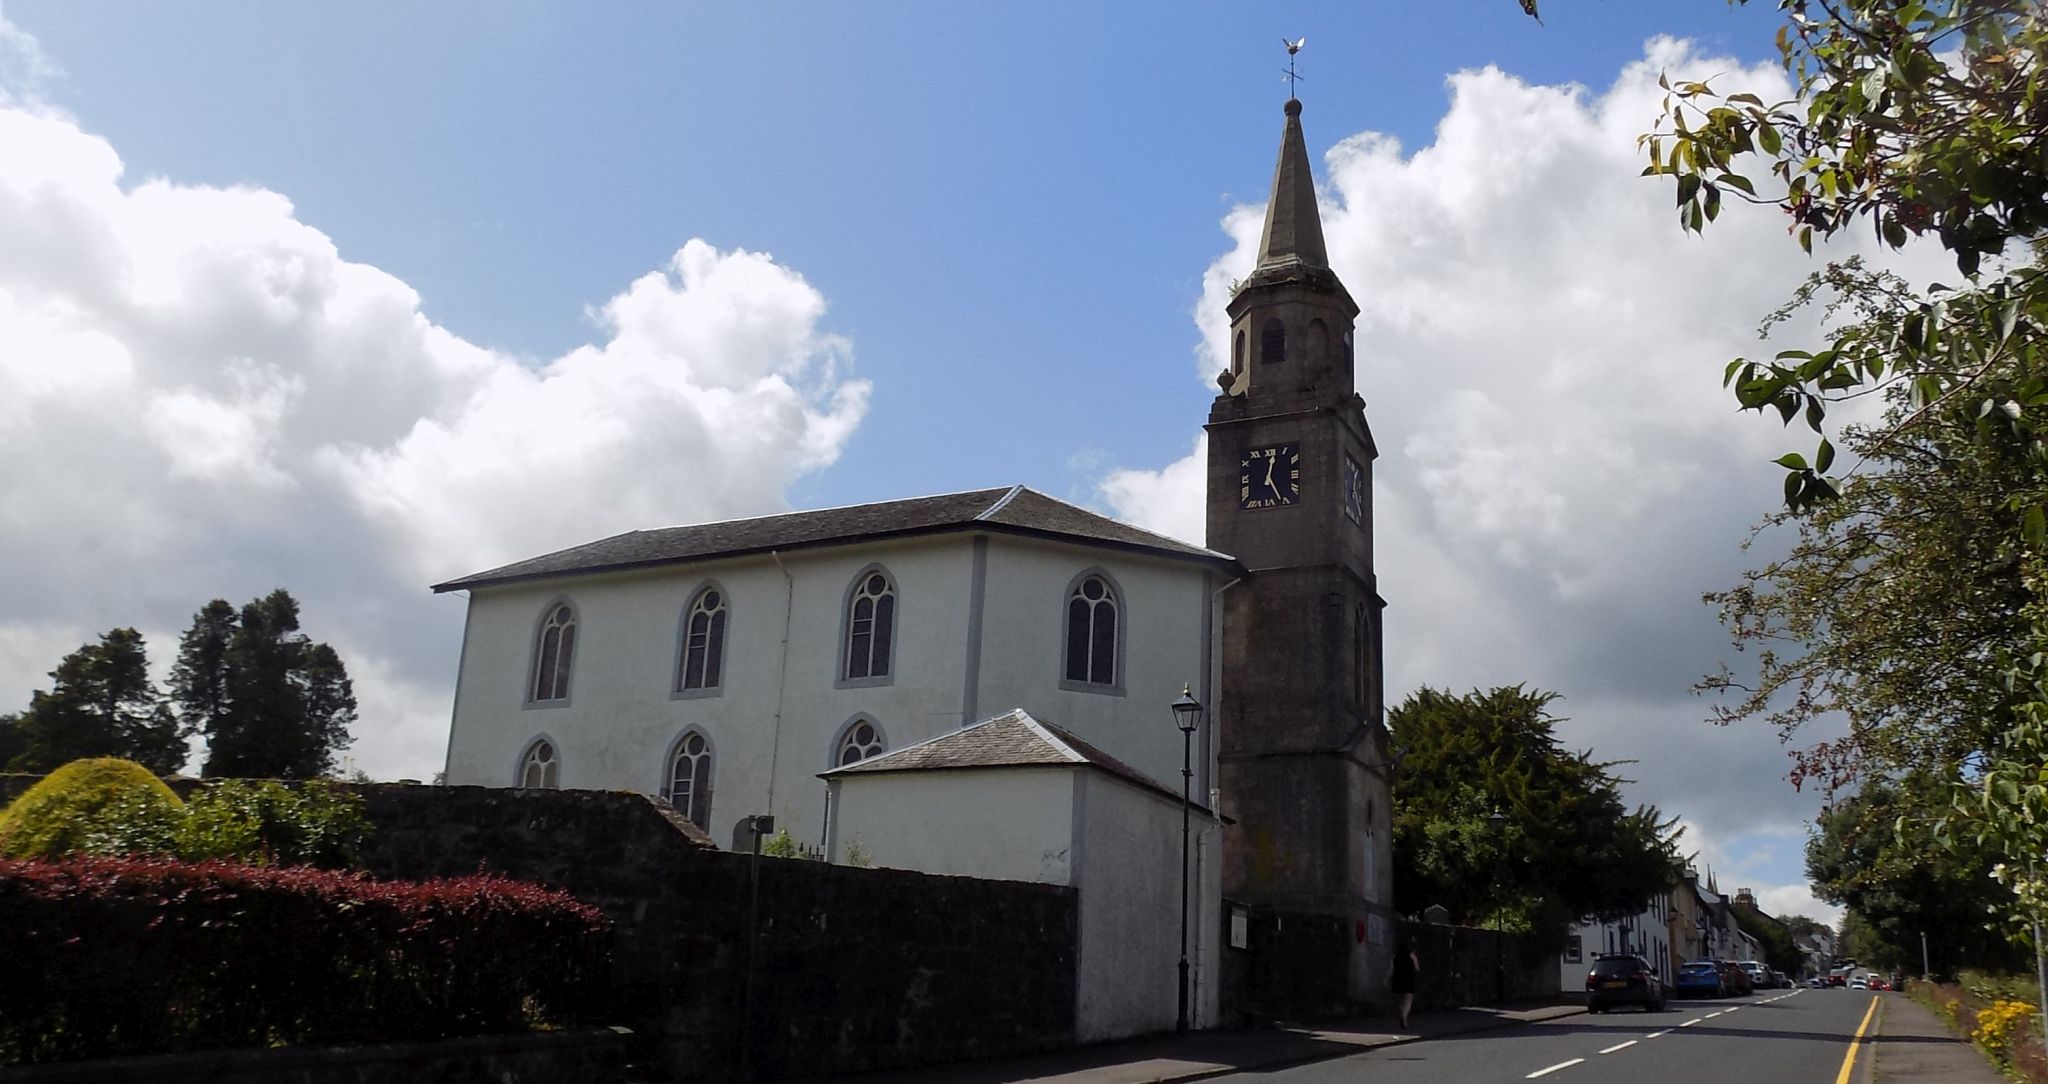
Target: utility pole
x,y
1926,973
2040,958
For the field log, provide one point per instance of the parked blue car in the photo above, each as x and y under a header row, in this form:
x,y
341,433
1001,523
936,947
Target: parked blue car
x,y
1700,978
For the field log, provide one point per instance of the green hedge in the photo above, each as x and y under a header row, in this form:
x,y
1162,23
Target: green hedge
x,y
110,956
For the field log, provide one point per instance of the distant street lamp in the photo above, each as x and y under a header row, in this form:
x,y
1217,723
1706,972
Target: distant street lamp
x,y
1187,714
1500,916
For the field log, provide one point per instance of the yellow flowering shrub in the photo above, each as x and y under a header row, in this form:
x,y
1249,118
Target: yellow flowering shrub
x,y
2000,1024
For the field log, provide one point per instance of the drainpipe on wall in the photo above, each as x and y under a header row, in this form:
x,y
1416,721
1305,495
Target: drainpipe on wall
x,y
1212,690
782,674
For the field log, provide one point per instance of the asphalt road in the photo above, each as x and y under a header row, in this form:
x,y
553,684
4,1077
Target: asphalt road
x,y
1770,1037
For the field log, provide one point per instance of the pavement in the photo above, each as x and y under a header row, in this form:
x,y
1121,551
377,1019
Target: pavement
x,y
1909,1045
1203,1054
1914,1045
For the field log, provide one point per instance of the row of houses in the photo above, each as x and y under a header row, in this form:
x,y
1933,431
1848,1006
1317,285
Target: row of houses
x,y
1693,920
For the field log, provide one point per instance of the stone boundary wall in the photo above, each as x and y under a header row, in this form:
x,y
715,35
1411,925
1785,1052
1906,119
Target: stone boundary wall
x,y
1465,965
577,1056
1293,969
846,970
849,970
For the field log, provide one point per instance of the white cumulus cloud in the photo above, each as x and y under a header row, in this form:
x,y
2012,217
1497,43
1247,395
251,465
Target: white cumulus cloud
x,y
1561,474
201,397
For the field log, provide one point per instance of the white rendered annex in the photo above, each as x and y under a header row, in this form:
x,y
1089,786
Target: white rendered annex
x,y
724,666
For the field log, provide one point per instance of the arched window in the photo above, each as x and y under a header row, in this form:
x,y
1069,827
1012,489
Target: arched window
x,y
1272,340
1318,344
554,654
1237,354
1093,617
689,779
540,768
860,740
870,627
703,663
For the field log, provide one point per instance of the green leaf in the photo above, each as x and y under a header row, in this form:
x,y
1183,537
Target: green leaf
x,y
2034,526
1791,461
1767,137
1824,458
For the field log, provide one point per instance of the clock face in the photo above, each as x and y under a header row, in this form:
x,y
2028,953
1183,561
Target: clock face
x,y
1268,477
1354,490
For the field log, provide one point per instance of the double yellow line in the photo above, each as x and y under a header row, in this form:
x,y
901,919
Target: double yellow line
x,y
1849,1059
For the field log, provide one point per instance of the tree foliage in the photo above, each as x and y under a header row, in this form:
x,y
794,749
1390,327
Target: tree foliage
x,y
1901,601
82,801
1916,118
1778,950
102,703
1568,847
1876,854
271,702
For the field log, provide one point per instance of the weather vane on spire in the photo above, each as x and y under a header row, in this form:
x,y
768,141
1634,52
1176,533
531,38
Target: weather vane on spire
x,y
1293,47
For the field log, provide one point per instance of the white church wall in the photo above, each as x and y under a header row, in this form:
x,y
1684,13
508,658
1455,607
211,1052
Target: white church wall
x,y
1127,868
1024,613
620,720
1009,824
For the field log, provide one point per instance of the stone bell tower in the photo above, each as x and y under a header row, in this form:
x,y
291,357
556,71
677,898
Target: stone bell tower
x,y
1301,736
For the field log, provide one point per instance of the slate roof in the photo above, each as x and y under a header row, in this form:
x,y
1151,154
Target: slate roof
x,y
1008,510
1011,740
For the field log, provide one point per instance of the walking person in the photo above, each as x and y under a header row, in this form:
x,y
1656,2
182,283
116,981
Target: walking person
x,y
1402,981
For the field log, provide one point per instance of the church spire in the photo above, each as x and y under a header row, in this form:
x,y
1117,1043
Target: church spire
x,y
1294,228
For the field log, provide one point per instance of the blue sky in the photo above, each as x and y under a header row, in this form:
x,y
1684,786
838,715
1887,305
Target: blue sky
x,y
991,197
505,309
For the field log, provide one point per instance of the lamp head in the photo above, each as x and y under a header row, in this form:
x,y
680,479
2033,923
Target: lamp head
x,y
1187,711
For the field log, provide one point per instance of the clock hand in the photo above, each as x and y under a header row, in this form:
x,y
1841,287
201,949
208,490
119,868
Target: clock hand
x,y
1270,486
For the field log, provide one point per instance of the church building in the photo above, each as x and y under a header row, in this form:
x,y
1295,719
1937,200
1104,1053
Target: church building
x,y
982,683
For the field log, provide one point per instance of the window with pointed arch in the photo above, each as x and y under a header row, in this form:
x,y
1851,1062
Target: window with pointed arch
x,y
701,669
870,628
540,768
689,779
860,740
1093,636
1272,341
1237,355
554,655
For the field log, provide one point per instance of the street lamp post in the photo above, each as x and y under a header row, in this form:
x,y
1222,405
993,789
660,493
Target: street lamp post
x,y
1500,916
1187,714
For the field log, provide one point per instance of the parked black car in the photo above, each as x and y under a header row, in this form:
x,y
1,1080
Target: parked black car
x,y
1623,980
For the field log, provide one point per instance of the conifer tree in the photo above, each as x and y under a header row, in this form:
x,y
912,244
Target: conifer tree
x,y
102,703
272,702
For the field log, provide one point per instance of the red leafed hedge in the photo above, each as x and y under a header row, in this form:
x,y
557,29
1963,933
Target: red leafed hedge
x,y
106,956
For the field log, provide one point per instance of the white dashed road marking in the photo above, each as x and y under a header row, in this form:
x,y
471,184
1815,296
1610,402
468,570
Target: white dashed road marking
x,y
1620,1046
1554,1068
1690,1022
1655,1034
1711,1015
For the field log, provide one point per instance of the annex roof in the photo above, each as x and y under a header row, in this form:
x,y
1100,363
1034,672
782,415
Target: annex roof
x,y
1016,510
1011,740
